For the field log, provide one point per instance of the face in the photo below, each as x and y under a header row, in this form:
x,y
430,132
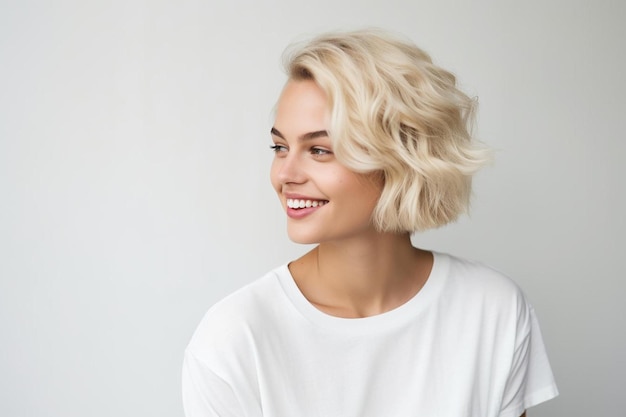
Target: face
x,y
324,200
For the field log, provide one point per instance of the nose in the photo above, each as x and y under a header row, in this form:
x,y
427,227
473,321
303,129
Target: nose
x,y
288,169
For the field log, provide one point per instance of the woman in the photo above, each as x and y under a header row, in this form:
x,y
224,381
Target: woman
x,y
371,144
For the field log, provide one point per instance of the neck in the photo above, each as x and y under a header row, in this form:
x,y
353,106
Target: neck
x,y
363,277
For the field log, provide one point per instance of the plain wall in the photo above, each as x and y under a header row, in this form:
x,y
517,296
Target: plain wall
x,y
134,187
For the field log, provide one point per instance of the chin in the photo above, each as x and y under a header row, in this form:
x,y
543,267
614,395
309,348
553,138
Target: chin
x,y
303,237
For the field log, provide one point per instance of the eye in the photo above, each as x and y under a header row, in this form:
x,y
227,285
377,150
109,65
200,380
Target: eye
x,y
320,151
278,148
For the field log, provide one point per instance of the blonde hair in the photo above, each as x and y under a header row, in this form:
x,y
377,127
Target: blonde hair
x,y
394,112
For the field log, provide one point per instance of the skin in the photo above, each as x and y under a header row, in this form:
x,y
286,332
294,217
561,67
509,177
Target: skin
x,y
355,271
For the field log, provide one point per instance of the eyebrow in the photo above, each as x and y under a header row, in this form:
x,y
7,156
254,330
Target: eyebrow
x,y
305,136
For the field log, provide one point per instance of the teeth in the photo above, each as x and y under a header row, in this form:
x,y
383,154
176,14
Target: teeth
x,y
298,204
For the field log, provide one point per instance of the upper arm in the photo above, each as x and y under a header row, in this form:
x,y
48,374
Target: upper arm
x,y
205,394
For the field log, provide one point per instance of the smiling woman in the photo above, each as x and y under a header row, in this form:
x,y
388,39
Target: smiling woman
x,y
333,202
371,144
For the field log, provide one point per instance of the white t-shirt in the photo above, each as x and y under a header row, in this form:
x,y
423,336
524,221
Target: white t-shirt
x,y
467,345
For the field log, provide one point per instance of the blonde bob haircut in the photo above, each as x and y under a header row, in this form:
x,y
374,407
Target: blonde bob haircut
x,y
392,111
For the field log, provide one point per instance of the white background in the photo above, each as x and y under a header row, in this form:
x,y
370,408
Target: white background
x,y
134,186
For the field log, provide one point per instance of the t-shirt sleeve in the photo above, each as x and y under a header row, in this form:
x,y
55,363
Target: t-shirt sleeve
x,y
530,379
205,394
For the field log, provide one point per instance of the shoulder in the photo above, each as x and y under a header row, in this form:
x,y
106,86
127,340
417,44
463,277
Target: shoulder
x,y
231,320
475,286
219,370
491,307
480,279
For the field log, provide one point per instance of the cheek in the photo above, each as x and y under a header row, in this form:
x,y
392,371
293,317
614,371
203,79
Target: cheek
x,y
364,188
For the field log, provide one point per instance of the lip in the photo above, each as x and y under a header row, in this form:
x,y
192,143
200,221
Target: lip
x,y
301,213
300,197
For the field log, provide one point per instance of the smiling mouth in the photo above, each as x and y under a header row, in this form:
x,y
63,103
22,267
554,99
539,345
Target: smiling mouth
x,y
300,204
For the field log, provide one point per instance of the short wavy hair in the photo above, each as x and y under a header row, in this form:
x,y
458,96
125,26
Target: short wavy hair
x,y
394,112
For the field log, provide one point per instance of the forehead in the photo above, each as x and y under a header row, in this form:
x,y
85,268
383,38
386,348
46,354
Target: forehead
x,y
302,107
